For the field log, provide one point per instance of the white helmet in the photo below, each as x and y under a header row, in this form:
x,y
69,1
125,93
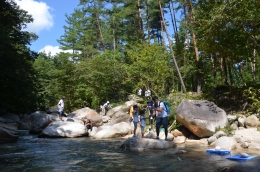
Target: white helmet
x,y
107,101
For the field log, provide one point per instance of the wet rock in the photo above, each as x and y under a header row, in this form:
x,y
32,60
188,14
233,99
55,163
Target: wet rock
x,y
137,144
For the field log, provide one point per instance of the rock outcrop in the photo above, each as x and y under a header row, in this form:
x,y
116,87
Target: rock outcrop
x,y
8,132
201,117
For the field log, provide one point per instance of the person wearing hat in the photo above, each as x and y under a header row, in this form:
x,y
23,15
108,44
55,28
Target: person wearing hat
x,y
61,107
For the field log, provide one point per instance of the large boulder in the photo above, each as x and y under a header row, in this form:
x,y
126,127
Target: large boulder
x,y
118,117
122,108
201,117
117,130
64,129
8,132
40,120
87,113
137,144
131,103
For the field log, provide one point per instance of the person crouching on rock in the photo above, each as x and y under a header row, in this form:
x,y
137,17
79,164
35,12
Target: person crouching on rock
x,y
135,118
88,124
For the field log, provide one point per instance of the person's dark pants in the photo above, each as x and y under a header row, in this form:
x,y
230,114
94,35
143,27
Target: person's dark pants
x,y
162,121
89,127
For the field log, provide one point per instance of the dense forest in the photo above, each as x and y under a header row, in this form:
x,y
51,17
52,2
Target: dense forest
x,y
118,46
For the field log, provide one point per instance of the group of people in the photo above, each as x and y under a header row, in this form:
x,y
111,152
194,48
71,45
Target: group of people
x,y
156,110
147,92
87,123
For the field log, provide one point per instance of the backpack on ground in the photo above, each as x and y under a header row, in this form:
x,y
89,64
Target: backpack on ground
x,y
167,109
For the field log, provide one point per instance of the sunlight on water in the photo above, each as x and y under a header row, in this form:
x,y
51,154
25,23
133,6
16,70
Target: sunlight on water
x,y
86,154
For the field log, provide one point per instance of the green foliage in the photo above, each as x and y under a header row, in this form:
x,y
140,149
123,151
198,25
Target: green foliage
x,y
150,67
253,96
17,81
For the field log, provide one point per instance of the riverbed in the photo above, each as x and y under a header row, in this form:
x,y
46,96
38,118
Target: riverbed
x,y
33,154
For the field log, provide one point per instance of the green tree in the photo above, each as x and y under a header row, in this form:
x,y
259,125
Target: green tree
x,y
17,89
150,68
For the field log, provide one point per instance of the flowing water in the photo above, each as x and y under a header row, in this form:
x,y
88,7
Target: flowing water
x,y
32,154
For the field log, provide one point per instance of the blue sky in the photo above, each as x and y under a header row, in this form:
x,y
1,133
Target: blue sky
x,y
49,19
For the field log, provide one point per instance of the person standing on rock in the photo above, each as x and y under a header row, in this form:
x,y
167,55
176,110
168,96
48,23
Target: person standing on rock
x,y
61,107
162,116
142,122
135,118
131,110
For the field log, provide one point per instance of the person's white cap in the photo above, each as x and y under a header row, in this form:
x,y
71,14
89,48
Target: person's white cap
x,y
107,101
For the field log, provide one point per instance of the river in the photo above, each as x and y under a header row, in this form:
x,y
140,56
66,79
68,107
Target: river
x,y
33,154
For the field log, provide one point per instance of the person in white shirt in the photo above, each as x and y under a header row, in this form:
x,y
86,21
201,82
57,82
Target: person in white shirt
x,y
142,122
61,107
104,107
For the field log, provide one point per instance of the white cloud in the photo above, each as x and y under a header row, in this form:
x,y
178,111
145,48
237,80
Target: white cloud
x,y
53,50
40,12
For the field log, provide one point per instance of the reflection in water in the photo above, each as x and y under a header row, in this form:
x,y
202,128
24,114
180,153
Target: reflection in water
x,y
86,154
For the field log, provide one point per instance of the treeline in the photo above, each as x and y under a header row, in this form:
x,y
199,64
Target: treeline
x,y
118,46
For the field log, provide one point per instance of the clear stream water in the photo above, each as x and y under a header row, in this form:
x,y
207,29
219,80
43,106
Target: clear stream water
x,y
33,154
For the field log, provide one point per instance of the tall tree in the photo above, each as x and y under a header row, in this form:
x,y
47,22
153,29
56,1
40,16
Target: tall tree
x,y
16,59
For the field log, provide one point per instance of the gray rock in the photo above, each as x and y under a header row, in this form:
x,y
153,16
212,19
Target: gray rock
x,y
244,155
251,121
64,129
137,144
201,117
8,132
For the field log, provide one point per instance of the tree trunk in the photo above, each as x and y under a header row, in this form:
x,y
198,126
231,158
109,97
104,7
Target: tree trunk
x,y
225,71
230,74
170,44
213,61
140,20
254,67
173,18
192,18
162,32
147,21
100,32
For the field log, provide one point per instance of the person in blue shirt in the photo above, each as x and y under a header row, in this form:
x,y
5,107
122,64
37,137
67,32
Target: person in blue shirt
x,y
161,118
135,118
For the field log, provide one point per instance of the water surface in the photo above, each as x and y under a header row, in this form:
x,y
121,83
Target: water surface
x,y
32,154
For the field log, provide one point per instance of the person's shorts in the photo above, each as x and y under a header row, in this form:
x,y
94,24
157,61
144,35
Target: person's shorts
x,y
142,129
162,121
61,113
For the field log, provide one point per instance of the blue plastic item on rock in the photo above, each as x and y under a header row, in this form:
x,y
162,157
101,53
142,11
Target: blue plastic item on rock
x,y
218,152
240,158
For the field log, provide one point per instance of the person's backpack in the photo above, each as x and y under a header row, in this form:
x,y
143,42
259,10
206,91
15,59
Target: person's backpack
x,y
167,109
